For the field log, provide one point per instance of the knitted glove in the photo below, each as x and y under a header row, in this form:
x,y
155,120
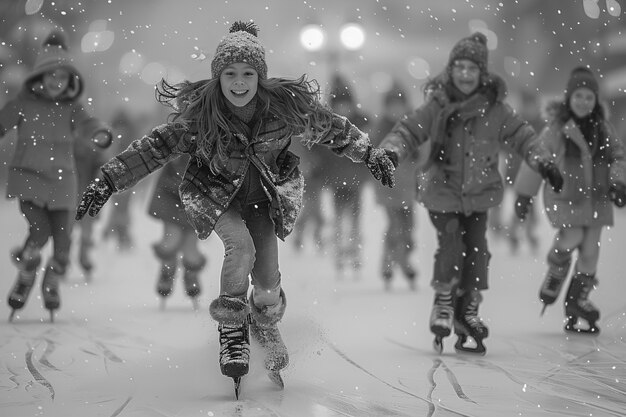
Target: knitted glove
x,y
381,164
94,197
550,172
522,206
617,194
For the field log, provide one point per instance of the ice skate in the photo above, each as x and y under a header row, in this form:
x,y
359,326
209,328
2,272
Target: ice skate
x,y
191,280
232,315
411,275
577,305
27,261
468,324
50,287
264,329
553,281
165,282
441,318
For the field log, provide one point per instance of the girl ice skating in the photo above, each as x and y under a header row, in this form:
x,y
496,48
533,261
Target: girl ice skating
x,y
591,157
242,182
42,173
466,120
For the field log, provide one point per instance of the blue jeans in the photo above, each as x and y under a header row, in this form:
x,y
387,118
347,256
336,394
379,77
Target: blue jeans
x,y
462,258
250,248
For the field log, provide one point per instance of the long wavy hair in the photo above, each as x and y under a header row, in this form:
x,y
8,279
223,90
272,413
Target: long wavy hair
x,y
201,107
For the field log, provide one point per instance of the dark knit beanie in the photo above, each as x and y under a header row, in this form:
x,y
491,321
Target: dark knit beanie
x,y
240,45
581,77
474,48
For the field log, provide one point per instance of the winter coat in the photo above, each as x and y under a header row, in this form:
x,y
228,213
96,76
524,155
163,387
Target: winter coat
x,y
465,138
207,196
404,192
165,203
43,168
584,200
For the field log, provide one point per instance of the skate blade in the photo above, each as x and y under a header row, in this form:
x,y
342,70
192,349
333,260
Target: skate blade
x,y
237,382
438,344
276,378
543,310
51,315
479,349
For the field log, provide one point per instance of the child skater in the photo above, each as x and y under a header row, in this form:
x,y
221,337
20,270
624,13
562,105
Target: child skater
x,y
398,201
242,182
466,120
591,158
42,174
179,241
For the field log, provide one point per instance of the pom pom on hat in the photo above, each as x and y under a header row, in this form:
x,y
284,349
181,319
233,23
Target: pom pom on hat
x,y
474,48
581,77
240,45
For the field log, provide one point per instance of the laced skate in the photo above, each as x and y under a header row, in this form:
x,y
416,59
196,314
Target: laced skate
x,y
577,305
441,318
468,324
20,291
552,283
191,280
50,289
234,352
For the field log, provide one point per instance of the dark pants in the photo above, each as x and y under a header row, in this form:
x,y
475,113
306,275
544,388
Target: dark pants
x,y
462,257
44,223
250,248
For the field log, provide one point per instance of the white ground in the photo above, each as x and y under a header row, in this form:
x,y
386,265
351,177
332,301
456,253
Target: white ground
x,y
356,350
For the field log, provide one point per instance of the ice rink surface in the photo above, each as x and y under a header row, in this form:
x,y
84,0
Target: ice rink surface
x,y
355,349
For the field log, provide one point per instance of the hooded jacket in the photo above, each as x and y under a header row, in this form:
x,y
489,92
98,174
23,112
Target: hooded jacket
x,y
587,174
461,141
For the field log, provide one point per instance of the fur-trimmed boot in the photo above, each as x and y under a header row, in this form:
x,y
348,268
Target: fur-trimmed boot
x,y
232,314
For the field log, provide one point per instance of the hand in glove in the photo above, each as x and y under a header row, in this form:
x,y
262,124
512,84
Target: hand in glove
x,y
381,163
617,194
551,173
522,206
94,197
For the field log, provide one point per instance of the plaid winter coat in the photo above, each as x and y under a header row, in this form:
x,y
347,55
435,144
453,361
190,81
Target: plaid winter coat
x,y
206,196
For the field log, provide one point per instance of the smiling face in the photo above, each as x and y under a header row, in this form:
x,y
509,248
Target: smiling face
x,y
582,102
239,82
465,75
56,82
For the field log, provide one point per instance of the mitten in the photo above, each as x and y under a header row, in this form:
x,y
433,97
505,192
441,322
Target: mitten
x,y
94,198
522,206
617,194
550,172
381,164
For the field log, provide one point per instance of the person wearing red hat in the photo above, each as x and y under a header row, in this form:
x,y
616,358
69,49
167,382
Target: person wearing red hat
x,y
591,157
42,174
243,182
462,125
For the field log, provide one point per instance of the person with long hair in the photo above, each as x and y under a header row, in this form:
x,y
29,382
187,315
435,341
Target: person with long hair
x,y
591,157
243,182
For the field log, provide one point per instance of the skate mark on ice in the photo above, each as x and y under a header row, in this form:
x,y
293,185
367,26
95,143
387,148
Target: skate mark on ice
x,y
107,352
432,385
458,389
121,407
35,373
13,378
48,350
356,365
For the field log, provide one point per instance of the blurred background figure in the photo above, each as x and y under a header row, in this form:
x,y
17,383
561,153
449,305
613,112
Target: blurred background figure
x,y
345,182
399,201
89,158
179,243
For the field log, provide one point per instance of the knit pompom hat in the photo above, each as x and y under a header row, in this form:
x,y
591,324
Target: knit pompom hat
x,y
474,48
240,45
53,55
581,77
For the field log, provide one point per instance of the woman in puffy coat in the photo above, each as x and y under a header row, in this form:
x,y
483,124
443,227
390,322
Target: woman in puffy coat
x,y
243,181
465,121
591,157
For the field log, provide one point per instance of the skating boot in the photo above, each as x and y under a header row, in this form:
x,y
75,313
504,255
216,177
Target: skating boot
x,y
50,287
264,329
577,305
411,275
169,264
28,261
191,280
232,314
558,268
468,324
441,318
